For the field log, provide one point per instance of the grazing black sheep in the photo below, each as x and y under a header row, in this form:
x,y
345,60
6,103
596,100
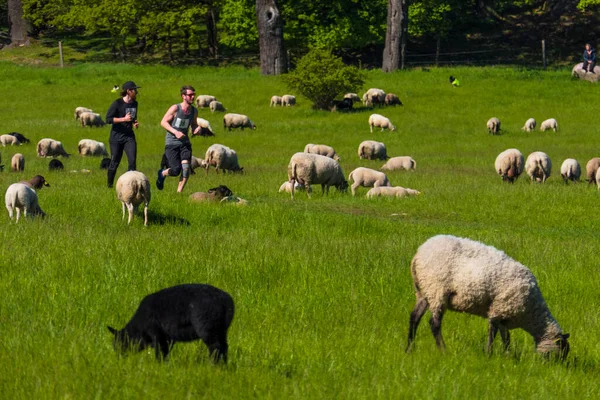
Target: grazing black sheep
x,y
105,163
19,137
344,104
181,313
55,165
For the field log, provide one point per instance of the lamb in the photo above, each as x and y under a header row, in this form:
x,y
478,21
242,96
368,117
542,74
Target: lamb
x,y
367,177
373,96
590,169
570,170
238,201
307,169
288,100
396,191
81,110
205,128
50,148
237,121
352,96
181,313
538,166
399,163
9,140
275,101
24,199
493,125
133,189
216,106
203,100
392,100
22,139
529,125
89,147
197,163
379,121
17,163
549,124
104,163
91,119
321,149
287,187
56,164
463,275
509,164
222,157
372,150
214,194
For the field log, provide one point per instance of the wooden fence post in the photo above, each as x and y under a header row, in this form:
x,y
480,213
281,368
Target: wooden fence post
x,y
544,53
62,64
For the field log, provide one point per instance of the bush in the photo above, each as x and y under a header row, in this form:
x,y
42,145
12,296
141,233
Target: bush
x,y
321,77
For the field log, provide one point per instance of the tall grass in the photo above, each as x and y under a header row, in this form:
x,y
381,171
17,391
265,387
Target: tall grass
x,y
322,286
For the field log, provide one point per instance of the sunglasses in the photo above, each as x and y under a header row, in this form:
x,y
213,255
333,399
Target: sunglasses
x,y
190,94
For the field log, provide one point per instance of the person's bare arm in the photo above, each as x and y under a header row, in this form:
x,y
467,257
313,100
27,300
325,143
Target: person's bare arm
x,y
166,121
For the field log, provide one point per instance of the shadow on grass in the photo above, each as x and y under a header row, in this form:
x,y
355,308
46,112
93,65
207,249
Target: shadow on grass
x,y
155,218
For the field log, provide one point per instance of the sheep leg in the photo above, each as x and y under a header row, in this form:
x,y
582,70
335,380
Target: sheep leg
x,y
435,322
124,206
18,214
130,208
505,335
415,317
293,184
10,212
371,126
493,330
161,348
353,187
146,214
308,189
217,348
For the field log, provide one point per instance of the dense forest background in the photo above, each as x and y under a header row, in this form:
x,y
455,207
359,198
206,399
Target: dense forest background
x,y
217,32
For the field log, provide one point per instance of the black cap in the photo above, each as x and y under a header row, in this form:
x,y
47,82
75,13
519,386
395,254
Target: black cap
x,y
129,85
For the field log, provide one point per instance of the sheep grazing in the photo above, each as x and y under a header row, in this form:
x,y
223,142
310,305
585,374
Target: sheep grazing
x,y
538,166
133,189
104,163
275,101
24,199
214,194
17,163
509,164
287,187
288,100
372,150
352,96
493,126
395,191
91,119
308,169
50,148
591,168
81,110
379,121
529,125
89,147
549,124
205,128
392,100
458,274
181,313
237,121
367,177
9,140
598,178
203,100
321,149
197,163
344,104
55,164
222,157
216,106
22,139
399,163
373,96
37,182
570,170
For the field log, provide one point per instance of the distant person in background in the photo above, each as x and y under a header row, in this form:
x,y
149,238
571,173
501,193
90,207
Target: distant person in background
x,y
122,114
453,81
589,58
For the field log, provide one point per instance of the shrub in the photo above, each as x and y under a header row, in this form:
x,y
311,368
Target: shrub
x,y
321,77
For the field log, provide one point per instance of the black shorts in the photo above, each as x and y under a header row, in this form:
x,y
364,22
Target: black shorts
x,y
177,154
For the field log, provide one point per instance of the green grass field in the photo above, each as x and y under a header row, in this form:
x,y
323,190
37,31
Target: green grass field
x,y
322,286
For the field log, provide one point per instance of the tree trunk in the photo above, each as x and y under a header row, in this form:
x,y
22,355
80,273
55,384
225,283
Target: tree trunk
x,y
211,32
438,45
18,27
270,38
395,35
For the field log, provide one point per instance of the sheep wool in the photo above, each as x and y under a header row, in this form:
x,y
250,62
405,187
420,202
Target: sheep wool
x,y
493,125
288,100
529,125
133,189
216,106
570,170
237,121
367,177
538,166
321,149
89,147
22,198
372,150
222,157
396,191
308,169
50,148
399,163
9,140
509,164
590,169
379,121
17,163
549,124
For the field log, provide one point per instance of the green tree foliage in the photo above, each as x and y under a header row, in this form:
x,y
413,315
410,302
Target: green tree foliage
x,y
321,77
238,24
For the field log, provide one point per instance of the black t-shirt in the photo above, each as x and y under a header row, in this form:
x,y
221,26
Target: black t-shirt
x,y
119,109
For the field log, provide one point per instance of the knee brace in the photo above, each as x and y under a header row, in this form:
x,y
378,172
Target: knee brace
x,y
186,170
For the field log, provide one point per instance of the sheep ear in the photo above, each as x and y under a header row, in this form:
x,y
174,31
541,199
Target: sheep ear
x,y
112,330
566,336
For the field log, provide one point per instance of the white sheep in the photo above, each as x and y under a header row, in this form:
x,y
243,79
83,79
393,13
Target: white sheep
x,y
352,96
321,149
22,198
373,96
598,178
399,163
538,166
288,100
570,170
89,147
204,100
222,157
237,121
50,148
275,101
379,121
493,125
510,164
367,177
17,163
287,187
9,140
133,189
458,274
91,119
372,150
549,124
80,110
197,163
205,128
308,169
395,191
590,169
529,125
392,100
216,106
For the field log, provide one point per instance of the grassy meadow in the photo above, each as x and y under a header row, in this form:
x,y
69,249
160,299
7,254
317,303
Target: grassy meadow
x,y
322,286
